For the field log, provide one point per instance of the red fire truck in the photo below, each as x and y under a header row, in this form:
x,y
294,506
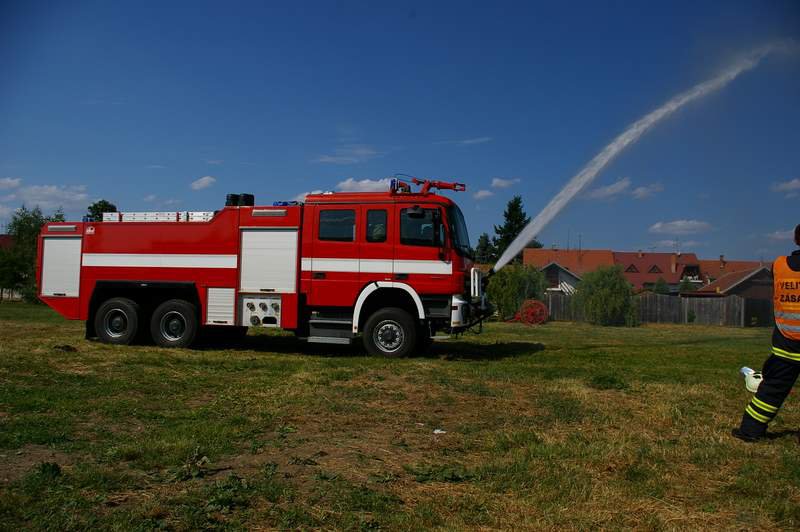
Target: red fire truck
x,y
392,267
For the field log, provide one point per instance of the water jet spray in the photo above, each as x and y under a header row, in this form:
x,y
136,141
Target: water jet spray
x,y
583,178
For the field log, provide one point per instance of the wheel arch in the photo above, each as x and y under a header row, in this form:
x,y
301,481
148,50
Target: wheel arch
x,y
381,294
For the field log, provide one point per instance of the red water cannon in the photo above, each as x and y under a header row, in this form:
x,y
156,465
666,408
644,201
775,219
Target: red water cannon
x,y
403,187
427,185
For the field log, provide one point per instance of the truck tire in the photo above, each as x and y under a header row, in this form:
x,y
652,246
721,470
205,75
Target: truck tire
x,y
174,323
117,321
390,332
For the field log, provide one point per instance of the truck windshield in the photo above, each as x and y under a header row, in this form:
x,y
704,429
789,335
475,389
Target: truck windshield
x,y
459,229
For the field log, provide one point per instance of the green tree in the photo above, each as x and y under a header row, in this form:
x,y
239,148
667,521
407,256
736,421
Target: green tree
x,y
661,287
605,297
484,251
512,285
686,285
95,210
514,220
10,269
18,263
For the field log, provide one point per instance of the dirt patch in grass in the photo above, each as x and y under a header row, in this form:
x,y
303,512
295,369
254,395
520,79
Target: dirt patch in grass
x,y
15,464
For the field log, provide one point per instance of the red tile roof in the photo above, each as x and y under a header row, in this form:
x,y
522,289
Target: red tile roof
x,y
648,267
715,268
652,266
579,262
729,280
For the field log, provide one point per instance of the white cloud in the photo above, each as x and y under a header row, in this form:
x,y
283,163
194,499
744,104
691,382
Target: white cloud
x,y
6,211
781,235
9,182
791,187
499,182
50,197
155,166
203,182
680,227
302,195
466,142
647,191
364,185
215,161
150,198
171,202
609,191
349,154
483,194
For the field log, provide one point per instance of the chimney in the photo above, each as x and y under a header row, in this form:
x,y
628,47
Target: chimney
x,y
722,262
673,263
641,254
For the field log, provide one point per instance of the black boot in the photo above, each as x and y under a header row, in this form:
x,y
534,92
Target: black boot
x,y
747,438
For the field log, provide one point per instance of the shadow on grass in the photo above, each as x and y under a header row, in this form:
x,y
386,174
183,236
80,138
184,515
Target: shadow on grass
x,y
456,350
461,350
778,434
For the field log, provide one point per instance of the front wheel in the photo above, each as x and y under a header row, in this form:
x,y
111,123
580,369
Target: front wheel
x,y
174,323
390,332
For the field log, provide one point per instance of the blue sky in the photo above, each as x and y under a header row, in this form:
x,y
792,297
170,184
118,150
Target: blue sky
x,y
170,105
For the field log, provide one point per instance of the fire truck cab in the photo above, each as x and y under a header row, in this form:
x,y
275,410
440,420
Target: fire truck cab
x,y
391,267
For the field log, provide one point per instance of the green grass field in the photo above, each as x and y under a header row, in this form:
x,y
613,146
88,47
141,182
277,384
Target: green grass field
x,y
557,426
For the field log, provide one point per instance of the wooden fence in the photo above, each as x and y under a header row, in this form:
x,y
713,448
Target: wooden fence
x,y
731,311
7,294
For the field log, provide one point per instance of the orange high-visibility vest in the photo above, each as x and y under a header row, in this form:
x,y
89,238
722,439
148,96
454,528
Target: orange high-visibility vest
x,y
786,299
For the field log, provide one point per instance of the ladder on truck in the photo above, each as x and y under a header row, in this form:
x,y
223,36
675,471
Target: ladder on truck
x,y
168,216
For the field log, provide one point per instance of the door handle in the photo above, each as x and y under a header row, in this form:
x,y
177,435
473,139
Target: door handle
x,y
401,276
318,275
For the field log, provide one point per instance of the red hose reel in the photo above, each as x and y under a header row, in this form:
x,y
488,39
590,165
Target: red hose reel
x,y
532,312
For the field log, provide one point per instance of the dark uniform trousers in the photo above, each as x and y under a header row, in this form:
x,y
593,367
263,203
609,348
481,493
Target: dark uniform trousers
x,y
780,373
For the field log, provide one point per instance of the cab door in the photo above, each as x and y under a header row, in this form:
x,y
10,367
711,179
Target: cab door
x,y
334,257
376,243
421,256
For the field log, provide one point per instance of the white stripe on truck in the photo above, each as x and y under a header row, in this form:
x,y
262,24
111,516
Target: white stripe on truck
x,y
434,267
154,260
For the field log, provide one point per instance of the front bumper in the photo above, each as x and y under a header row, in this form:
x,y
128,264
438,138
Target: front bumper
x,y
465,313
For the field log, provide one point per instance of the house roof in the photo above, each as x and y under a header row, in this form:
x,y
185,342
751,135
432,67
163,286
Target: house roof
x,y
715,268
6,241
575,261
730,280
646,268
560,267
639,268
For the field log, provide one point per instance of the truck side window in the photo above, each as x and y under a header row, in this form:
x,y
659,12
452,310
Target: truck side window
x,y
419,230
338,225
376,226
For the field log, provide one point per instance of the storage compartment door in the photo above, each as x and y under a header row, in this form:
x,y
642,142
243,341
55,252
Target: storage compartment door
x,y
220,306
269,260
61,266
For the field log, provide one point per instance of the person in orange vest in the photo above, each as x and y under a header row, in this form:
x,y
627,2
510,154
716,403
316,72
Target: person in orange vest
x,y
781,369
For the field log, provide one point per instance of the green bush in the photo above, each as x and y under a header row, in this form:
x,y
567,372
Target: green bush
x,y
605,297
512,285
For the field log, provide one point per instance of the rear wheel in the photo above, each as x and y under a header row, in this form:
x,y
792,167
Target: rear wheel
x,y
116,321
390,332
174,323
